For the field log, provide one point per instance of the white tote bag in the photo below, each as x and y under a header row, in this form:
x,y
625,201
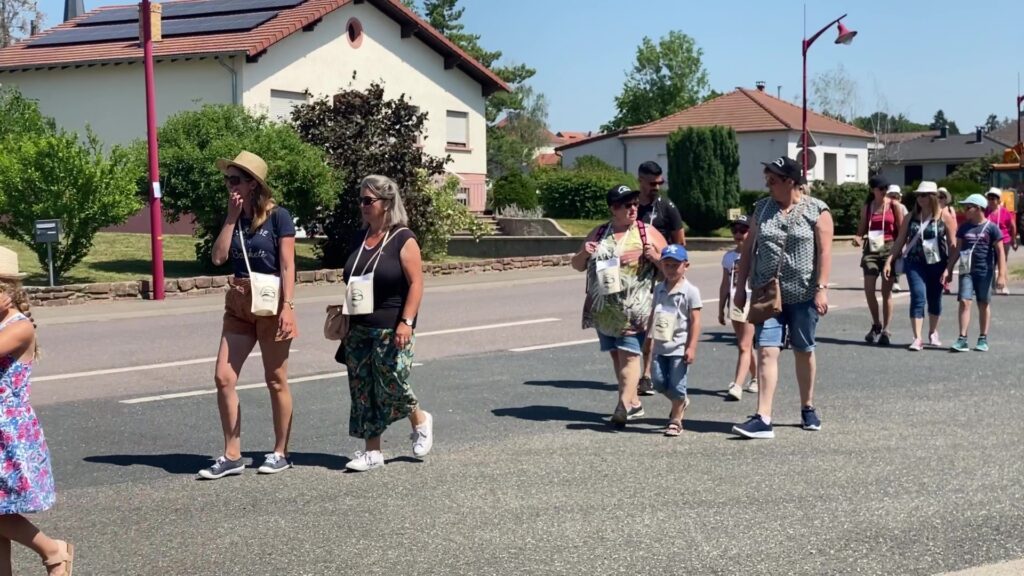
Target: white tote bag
x,y
266,288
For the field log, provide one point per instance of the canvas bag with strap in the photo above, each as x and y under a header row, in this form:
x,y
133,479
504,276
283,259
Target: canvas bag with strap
x,y
876,238
766,299
265,288
588,301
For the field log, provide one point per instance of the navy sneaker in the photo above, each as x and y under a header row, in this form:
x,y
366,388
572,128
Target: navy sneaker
x,y
810,418
754,428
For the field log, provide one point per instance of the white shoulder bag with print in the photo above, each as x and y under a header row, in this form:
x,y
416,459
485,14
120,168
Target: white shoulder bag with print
x,y
359,290
266,288
965,264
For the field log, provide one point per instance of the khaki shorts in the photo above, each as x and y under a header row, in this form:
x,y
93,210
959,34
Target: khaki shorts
x,y
239,319
874,264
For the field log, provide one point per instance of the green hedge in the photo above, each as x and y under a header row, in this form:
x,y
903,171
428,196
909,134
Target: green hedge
x,y
703,175
514,189
845,201
579,193
748,198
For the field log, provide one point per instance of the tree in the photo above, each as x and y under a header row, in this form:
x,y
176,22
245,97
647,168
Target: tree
x,y
363,133
511,146
20,116
835,94
192,141
882,123
939,120
16,17
703,172
667,76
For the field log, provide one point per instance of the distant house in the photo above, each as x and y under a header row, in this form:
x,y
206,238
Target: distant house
x,y
545,155
766,128
267,55
933,156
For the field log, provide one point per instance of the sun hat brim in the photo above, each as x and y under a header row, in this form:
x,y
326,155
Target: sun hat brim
x,y
223,164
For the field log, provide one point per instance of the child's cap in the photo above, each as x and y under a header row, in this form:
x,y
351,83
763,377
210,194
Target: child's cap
x,y
675,252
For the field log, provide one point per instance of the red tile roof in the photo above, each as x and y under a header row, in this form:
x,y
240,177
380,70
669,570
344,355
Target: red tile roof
x,y
251,43
745,111
549,159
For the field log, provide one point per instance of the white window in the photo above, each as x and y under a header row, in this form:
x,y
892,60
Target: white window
x,y
282,102
851,168
458,130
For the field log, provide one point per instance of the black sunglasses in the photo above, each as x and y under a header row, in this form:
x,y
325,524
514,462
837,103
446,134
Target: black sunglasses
x,y
633,204
368,200
236,180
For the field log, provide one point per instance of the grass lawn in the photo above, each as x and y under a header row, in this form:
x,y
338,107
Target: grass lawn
x,y
1017,272
579,227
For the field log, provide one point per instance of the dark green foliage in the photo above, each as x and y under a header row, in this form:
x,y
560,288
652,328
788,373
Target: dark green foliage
x,y
845,201
580,192
748,198
703,171
515,189
976,170
960,188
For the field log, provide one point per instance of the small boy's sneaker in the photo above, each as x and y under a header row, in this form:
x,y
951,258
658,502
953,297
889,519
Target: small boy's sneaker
x,y
982,345
961,345
274,463
754,428
751,386
635,412
734,392
810,418
933,339
222,467
645,387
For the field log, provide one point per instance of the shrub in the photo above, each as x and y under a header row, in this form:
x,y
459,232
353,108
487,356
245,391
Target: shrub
x,y
192,141
441,215
578,193
591,163
845,201
514,189
748,198
961,189
703,175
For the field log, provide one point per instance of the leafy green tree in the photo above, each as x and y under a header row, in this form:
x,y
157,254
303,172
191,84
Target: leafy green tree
x,y
16,17
20,116
511,146
976,170
939,120
515,189
192,141
668,76
835,94
439,214
703,172
883,123
56,175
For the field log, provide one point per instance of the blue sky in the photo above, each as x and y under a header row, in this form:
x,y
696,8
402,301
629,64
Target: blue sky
x,y
916,56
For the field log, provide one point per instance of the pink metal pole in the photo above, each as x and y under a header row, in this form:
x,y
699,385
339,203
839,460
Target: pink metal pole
x,y
155,215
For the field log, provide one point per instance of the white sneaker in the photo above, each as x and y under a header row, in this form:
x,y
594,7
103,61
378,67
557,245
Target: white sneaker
x,y
752,386
363,461
1005,291
423,437
735,392
896,287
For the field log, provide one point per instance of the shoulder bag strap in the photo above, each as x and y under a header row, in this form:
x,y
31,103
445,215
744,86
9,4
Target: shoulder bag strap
x,y
245,252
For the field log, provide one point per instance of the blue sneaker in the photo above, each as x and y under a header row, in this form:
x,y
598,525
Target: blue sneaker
x,y
810,418
754,428
982,345
961,345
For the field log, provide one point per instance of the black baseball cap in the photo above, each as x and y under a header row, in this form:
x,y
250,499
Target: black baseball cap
x,y
787,168
621,193
740,220
879,182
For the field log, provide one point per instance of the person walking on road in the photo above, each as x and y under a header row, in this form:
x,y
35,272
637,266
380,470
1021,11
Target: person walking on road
x,y
746,363
258,239
26,480
675,329
660,213
1007,222
621,259
877,229
924,243
383,292
790,240
980,257
895,195
946,205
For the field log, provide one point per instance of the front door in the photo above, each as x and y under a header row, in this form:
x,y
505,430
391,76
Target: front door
x,y
830,169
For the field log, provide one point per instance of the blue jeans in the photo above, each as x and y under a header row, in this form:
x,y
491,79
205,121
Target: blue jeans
x,y
668,375
976,286
632,343
799,321
925,282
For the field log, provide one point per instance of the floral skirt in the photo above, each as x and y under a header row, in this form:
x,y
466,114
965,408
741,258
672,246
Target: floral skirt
x,y
378,377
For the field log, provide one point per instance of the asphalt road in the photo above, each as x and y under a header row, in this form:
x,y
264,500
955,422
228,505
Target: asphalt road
x,y
917,470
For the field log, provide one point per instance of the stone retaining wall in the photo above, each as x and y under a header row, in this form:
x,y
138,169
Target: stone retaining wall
x,y
185,287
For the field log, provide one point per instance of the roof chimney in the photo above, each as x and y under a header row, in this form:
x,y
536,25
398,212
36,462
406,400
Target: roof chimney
x,y
943,132
73,9
978,131
760,85
155,12
34,27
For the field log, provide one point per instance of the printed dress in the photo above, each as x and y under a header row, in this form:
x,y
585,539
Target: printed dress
x,y
627,311
26,480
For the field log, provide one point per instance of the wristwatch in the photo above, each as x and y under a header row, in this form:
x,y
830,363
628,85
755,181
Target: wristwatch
x,y
407,322
290,303
822,287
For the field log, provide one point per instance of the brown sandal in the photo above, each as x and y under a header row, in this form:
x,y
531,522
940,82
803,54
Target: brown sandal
x,y
65,556
674,428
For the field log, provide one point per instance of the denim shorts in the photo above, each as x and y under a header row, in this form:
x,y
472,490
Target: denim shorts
x,y
668,375
632,343
797,321
975,286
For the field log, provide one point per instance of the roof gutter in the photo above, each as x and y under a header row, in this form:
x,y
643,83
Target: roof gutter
x,y
234,79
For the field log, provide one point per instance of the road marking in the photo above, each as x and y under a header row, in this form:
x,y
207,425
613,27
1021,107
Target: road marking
x,y
73,375
205,392
556,345
487,327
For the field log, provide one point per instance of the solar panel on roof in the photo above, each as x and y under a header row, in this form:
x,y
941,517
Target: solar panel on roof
x,y
173,10
182,27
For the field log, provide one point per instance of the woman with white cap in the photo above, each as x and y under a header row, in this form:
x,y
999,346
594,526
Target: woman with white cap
x,y
258,239
1002,217
924,244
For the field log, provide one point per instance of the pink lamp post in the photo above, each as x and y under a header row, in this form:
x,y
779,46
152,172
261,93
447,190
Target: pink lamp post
x,y
845,37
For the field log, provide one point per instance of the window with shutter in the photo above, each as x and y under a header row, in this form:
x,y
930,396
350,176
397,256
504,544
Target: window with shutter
x,y
458,130
282,102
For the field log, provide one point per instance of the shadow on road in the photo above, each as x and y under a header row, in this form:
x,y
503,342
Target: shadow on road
x,y
597,422
549,414
573,384
191,463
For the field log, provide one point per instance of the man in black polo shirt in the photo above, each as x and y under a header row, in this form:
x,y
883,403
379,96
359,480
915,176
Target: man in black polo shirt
x,y
662,214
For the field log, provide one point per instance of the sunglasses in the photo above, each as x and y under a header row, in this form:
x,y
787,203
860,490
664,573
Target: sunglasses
x,y
368,200
633,204
235,180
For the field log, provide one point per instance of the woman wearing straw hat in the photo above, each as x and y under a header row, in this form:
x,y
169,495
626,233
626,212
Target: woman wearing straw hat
x,y
26,479
924,243
258,239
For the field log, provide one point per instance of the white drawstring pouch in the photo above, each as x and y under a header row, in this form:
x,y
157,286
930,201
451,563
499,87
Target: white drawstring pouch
x,y
266,288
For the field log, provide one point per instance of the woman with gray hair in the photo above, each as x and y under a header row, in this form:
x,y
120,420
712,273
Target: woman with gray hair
x,y
383,291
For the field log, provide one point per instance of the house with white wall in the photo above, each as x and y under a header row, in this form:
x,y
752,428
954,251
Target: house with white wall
x,y
267,55
766,128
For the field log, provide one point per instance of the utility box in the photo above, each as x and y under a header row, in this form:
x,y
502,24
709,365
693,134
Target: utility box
x,y
48,231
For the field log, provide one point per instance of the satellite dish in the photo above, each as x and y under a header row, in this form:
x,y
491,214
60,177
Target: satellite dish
x,y
812,158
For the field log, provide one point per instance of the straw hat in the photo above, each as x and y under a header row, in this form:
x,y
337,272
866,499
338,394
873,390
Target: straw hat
x,y
945,195
9,265
249,163
927,187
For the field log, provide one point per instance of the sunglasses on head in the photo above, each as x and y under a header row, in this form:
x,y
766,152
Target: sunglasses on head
x,y
236,180
368,200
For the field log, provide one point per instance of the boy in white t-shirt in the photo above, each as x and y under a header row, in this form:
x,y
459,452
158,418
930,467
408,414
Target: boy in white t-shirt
x,y
675,328
746,363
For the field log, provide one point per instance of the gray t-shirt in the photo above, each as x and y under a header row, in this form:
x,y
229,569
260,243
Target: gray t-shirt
x,y
799,255
681,301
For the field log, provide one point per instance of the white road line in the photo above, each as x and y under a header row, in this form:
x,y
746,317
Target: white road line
x,y
556,345
131,368
487,327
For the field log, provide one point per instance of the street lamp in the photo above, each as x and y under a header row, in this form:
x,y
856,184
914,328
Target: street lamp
x,y
1020,100
146,10
845,37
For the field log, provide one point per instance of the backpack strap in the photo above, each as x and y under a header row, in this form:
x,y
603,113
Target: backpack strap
x,y
643,232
